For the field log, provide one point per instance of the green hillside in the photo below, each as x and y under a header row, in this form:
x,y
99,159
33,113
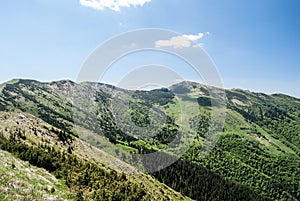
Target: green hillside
x,y
256,157
22,181
81,171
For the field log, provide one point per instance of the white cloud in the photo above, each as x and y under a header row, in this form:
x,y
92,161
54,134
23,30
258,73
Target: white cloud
x,y
176,42
114,5
194,37
183,41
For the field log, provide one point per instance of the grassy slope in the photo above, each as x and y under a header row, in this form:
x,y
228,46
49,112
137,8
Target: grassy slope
x,y
11,122
21,181
253,154
249,151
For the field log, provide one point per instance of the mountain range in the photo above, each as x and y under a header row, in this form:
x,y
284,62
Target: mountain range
x,y
91,141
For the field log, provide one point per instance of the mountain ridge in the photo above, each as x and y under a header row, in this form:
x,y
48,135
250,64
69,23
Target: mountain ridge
x,y
111,85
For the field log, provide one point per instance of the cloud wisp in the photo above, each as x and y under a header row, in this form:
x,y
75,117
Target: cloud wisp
x,y
183,41
114,5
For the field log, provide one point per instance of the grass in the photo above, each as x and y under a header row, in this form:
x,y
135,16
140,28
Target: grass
x,y
126,148
21,181
235,123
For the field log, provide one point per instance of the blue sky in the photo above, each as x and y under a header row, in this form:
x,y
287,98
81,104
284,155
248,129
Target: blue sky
x,y
254,44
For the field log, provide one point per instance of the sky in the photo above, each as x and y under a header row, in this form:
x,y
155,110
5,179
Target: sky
x,y
254,45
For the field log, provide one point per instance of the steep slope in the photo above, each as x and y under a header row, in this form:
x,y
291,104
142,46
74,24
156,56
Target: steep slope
x,y
88,173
